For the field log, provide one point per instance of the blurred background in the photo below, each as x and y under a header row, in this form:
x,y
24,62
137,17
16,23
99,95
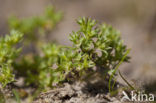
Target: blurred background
x,y
135,19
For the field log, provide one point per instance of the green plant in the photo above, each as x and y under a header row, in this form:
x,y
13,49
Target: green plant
x,y
101,42
8,54
93,45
